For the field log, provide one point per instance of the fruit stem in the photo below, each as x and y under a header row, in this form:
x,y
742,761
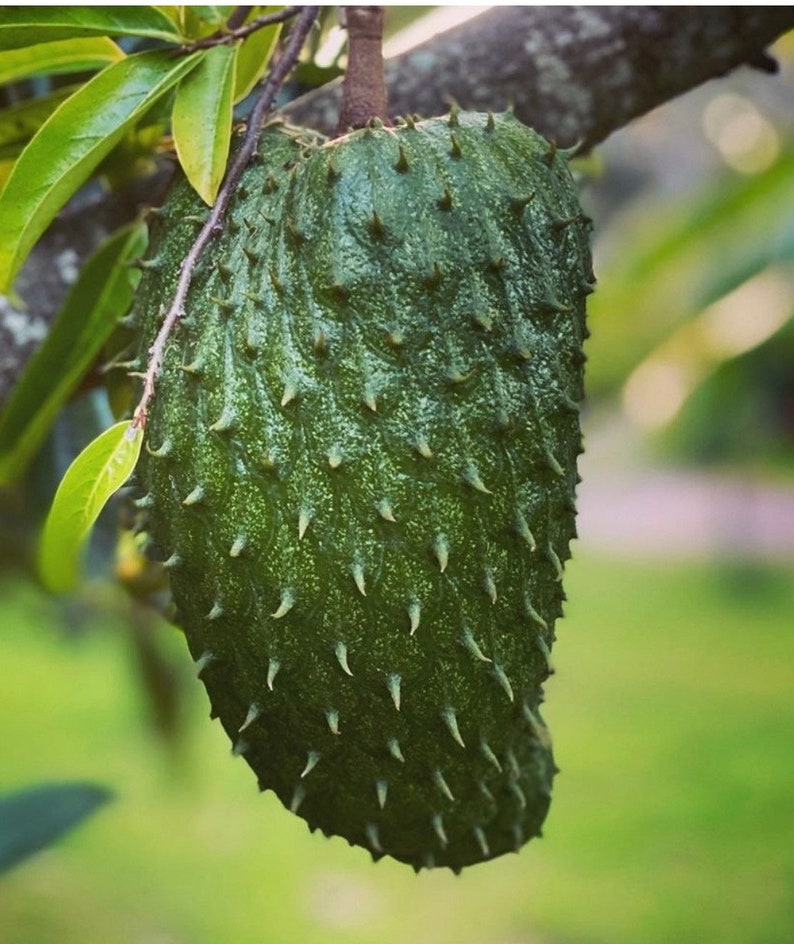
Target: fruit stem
x,y
214,225
364,88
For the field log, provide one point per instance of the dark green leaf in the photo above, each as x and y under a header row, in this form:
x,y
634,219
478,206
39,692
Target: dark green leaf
x,y
95,475
101,295
73,141
24,26
34,818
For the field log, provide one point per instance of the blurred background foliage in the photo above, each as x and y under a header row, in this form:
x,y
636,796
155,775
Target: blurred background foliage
x,y
695,256
673,707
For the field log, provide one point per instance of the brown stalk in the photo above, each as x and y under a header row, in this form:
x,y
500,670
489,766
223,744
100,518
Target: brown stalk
x,y
364,89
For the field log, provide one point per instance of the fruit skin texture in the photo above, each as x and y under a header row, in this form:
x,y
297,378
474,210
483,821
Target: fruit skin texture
x,y
360,472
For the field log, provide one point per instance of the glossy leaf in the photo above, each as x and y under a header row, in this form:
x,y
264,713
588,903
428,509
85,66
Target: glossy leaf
x,y
57,58
20,122
73,141
90,481
35,817
253,56
24,26
202,120
92,308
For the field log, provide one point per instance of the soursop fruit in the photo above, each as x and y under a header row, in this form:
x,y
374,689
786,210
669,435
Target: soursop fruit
x,y
360,471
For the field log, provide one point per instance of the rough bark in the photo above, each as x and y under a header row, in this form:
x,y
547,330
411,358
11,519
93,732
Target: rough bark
x,y
575,73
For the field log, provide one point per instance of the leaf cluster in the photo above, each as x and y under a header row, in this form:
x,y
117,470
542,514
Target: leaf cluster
x,y
121,83
66,137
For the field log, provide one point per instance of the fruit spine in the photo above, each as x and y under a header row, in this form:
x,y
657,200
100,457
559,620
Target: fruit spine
x,y
360,472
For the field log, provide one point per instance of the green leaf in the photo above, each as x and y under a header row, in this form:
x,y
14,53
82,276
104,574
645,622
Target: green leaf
x,y
172,13
34,818
95,475
202,120
73,141
57,58
92,308
20,122
198,21
25,26
253,56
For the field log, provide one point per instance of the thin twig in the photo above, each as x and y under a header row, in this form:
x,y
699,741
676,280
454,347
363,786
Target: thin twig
x,y
240,32
214,224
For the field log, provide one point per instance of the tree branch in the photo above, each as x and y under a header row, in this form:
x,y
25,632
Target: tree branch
x,y
573,73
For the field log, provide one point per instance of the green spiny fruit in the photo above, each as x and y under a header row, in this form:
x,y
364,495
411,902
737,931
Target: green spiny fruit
x,y
360,472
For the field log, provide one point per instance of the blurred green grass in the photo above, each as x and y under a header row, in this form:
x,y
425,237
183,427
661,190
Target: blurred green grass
x,y
673,715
